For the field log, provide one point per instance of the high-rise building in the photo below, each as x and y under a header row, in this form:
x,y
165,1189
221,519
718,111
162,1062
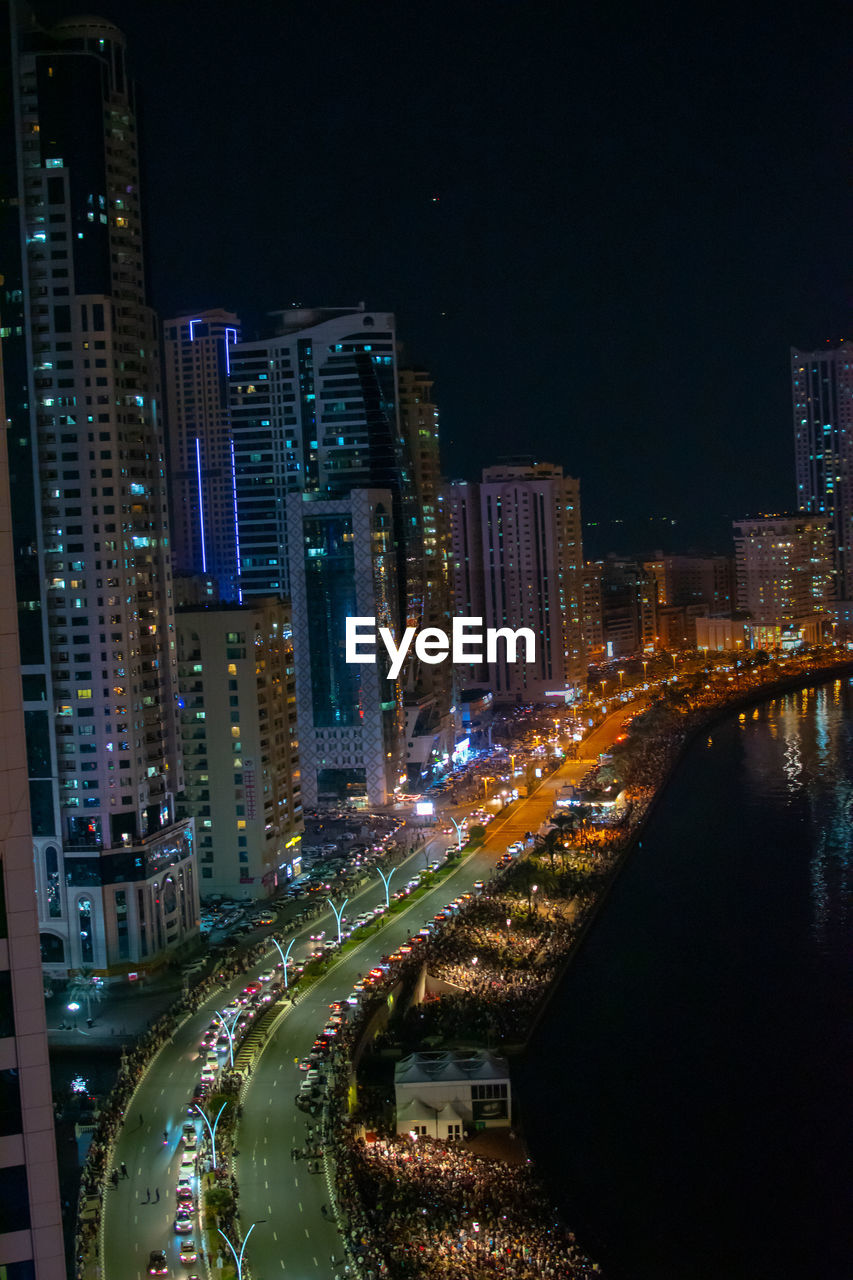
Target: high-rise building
x,y
785,577
467,583
593,634
822,395
532,557
314,410
202,488
428,695
238,722
31,1244
628,607
342,564
115,872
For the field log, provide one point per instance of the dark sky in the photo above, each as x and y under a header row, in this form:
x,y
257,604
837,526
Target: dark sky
x,y
639,212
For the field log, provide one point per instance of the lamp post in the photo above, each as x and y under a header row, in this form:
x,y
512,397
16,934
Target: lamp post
x,y
386,880
458,834
239,1259
229,1031
284,955
74,1008
211,1129
338,913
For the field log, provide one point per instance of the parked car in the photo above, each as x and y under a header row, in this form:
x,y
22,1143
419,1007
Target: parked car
x,y
157,1264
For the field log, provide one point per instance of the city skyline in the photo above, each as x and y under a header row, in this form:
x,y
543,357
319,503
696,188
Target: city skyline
x,y
650,216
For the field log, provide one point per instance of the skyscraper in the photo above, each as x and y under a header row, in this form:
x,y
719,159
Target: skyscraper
x,y
115,873
197,361
31,1245
428,695
467,585
532,558
313,410
822,395
324,490
342,564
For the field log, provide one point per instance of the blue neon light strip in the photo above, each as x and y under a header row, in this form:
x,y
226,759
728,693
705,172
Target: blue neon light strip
x,y
192,335
200,504
236,525
227,355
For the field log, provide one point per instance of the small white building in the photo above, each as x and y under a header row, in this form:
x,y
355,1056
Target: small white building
x,y
439,1095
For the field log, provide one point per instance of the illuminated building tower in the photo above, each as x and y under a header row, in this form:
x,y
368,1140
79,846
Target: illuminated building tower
x,y
197,359
342,564
465,562
532,561
115,874
314,410
30,1214
430,729
785,576
822,395
238,721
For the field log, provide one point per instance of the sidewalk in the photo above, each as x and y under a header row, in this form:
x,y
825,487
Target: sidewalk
x,y
119,1017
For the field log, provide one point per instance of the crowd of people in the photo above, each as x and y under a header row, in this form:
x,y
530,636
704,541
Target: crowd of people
x,y
433,1209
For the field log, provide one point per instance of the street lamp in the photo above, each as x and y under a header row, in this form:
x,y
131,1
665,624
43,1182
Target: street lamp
x,y
284,955
211,1129
386,880
458,833
338,913
239,1260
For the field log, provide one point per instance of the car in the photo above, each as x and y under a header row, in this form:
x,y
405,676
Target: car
x,y
479,885
188,1251
331,945
187,1166
330,1031
265,919
305,1065
157,1264
380,910
191,1140
252,988
183,1221
354,998
267,976
184,1193
313,1075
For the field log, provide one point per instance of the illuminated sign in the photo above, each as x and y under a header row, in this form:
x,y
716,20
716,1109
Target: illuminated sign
x,y
425,808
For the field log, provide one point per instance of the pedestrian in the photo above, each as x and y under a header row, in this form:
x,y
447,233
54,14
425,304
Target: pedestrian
x,y
156,1195
147,1195
324,1211
124,1172
165,1136
114,1177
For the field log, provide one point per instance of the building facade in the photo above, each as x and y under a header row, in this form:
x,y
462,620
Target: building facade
x,y
31,1243
822,397
313,410
342,564
428,689
241,763
532,562
785,573
202,484
115,872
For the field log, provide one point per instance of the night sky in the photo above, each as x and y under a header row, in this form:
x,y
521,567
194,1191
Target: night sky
x,y
601,230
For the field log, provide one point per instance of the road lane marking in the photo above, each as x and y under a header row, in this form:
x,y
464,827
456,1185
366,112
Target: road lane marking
x,y
307,1237
275,1236
301,1210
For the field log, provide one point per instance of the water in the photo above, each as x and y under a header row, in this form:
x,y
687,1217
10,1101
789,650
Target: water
x,y
688,1093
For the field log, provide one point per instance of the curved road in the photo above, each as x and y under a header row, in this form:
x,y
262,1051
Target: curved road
x,y
294,1239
